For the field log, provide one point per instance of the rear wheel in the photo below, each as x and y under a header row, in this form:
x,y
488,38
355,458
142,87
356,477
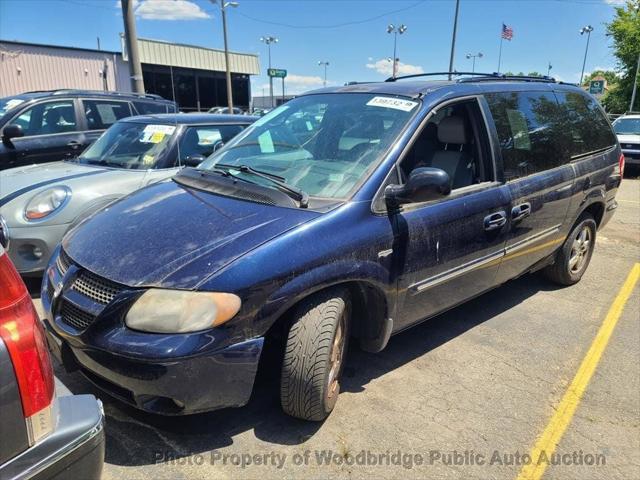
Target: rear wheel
x,y
573,258
314,355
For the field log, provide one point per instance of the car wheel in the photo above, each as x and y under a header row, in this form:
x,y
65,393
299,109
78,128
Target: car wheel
x,y
573,258
314,355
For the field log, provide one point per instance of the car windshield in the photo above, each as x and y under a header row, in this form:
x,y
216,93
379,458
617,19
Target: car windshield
x,y
130,145
321,144
9,103
628,126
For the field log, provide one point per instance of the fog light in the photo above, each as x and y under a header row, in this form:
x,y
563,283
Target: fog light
x,y
37,252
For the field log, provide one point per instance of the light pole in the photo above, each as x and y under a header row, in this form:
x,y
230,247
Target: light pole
x,y
395,30
223,9
635,85
453,38
588,29
268,40
474,56
325,65
549,67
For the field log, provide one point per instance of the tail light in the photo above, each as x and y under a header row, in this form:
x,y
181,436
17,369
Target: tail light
x,y
621,165
24,337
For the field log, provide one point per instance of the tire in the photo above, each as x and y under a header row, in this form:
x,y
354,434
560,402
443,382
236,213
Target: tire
x,y
573,258
314,355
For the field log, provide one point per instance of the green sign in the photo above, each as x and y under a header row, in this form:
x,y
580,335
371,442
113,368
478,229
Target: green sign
x,y
596,87
276,72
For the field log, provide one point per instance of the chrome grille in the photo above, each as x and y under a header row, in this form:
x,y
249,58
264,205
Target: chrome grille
x,y
62,262
75,317
96,288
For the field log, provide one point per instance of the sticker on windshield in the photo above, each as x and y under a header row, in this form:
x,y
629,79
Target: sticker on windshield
x,y
156,133
395,103
14,102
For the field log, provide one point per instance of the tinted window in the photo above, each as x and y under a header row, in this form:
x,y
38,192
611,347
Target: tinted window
x,y
101,114
588,127
202,140
145,108
532,131
48,118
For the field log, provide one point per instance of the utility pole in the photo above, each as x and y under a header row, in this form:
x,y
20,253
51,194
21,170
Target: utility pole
x,y
453,38
395,30
223,9
635,85
268,40
588,29
325,65
131,41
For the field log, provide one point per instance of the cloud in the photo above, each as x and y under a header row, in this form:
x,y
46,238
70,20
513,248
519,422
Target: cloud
x,y
615,2
294,85
167,10
385,67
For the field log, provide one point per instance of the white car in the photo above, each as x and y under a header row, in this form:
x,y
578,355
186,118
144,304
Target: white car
x,y
627,128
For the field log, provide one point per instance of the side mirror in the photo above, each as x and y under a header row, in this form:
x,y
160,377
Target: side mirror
x,y
193,160
218,145
423,184
12,131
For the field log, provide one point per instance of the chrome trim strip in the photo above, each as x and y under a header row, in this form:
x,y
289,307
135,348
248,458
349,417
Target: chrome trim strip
x,y
532,239
431,282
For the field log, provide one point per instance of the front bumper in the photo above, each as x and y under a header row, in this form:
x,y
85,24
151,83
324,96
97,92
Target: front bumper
x,y
74,450
631,157
31,247
169,374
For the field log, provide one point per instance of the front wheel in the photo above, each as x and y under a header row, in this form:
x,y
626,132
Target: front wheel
x,y
314,355
573,258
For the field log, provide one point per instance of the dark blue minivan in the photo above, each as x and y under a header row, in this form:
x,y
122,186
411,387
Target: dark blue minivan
x,y
355,211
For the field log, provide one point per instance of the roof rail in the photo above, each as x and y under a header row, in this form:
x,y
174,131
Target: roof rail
x,y
64,91
478,77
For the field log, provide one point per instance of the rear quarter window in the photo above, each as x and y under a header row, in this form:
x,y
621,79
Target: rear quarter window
x,y
146,108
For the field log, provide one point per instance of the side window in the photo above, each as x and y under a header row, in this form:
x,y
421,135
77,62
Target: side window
x,y
532,132
101,114
202,140
47,118
588,129
147,108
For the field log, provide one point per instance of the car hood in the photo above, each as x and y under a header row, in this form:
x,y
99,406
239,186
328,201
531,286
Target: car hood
x,y
15,182
173,236
624,138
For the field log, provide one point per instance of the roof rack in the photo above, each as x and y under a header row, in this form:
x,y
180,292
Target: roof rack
x,y
64,91
478,77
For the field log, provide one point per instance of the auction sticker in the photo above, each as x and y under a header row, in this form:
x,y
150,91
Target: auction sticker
x,y
395,103
155,133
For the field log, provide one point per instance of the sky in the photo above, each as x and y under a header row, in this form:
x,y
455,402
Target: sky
x,y
349,34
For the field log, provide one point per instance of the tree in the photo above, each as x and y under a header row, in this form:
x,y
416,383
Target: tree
x,y
610,76
625,32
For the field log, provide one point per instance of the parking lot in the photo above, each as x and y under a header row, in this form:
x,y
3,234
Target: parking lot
x,y
464,395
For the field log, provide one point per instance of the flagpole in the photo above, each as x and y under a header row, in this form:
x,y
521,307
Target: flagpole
x,y
500,52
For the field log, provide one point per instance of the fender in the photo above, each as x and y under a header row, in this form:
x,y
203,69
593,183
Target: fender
x,y
93,207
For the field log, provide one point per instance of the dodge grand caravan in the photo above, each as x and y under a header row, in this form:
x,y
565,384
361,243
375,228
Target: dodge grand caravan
x,y
354,211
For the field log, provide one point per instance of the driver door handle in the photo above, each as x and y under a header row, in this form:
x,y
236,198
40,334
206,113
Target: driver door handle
x,y
495,220
520,211
74,144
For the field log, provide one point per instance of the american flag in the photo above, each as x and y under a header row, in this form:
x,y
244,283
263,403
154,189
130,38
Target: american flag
x,y
507,32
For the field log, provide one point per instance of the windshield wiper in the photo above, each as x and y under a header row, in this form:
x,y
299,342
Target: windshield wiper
x,y
280,182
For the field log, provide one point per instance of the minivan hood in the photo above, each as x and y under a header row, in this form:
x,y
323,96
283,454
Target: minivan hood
x,y
173,236
628,138
18,181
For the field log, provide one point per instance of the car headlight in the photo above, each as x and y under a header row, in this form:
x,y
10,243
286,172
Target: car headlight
x,y
179,311
46,202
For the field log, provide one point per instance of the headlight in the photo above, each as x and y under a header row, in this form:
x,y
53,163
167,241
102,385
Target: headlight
x,y
46,202
179,311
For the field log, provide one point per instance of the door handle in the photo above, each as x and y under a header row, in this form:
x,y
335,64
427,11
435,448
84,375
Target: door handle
x,y
74,144
495,220
520,211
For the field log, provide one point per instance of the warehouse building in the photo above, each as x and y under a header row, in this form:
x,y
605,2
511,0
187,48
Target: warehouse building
x,y
192,76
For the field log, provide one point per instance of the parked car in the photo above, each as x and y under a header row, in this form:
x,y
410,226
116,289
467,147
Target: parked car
x,y
43,436
39,203
225,110
627,128
38,127
406,199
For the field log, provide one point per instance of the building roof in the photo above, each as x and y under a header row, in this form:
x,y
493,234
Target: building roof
x,y
193,118
158,52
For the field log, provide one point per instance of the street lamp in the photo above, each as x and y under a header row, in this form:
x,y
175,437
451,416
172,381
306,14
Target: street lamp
x,y
588,29
223,8
268,40
474,56
395,30
325,65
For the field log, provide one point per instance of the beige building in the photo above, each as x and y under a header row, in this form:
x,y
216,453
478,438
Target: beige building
x,y
192,76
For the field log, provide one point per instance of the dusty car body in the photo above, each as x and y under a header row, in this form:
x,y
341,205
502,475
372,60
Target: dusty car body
x,y
81,186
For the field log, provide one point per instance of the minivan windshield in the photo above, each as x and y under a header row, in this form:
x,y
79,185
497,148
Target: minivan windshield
x,y
323,145
627,126
130,145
